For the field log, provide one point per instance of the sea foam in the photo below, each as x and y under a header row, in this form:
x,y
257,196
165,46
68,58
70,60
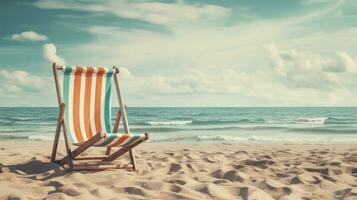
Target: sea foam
x,y
312,120
168,123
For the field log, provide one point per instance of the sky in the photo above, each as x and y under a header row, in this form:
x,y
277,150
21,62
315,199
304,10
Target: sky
x,y
185,53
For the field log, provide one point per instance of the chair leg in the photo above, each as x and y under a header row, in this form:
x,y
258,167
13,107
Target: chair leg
x,y
70,161
55,143
115,129
132,159
57,133
107,152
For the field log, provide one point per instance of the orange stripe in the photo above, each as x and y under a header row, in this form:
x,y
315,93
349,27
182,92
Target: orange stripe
x,y
121,140
87,98
98,98
76,103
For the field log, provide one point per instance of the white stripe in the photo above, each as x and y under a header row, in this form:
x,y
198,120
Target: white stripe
x,y
104,82
110,106
81,104
116,139
92,102
70,107
100,142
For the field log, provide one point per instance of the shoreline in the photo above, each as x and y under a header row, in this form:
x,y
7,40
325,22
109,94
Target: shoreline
x,y
165,142
187,171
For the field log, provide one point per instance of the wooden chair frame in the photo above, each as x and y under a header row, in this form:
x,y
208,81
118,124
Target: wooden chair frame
x,y
73,155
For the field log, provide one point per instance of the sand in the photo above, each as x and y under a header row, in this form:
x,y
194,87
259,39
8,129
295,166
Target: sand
x,y
187,171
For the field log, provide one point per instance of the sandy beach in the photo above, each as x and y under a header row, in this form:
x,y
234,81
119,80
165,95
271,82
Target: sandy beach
x,y
187,171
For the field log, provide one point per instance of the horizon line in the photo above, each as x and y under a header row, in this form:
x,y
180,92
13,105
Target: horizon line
x,y
197,106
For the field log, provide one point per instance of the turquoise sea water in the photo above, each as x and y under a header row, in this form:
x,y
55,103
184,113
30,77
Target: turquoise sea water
x,y
205,125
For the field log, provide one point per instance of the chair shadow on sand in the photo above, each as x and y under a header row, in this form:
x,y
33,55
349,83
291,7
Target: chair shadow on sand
x,y
35,169
41,170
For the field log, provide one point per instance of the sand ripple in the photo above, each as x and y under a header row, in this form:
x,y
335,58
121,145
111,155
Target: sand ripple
x,y
194,172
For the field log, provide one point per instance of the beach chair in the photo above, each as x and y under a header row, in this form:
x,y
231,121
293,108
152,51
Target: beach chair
x,y
85,118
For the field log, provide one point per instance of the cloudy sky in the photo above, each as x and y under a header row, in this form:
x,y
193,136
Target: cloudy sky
x,y
186,53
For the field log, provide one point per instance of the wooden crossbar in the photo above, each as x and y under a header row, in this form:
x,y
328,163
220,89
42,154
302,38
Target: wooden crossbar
x,y
91,158
101,167
83,147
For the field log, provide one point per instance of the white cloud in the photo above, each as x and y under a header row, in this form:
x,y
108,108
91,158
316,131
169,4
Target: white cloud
x,y
200,46
203,47
153,12
125,73
229,87
18,81
349,64
307,80
49,52
23,88
211,64
29,36
292,62
312,2
329,80
194,82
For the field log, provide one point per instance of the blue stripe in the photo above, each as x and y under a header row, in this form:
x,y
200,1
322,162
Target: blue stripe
x,y
66,80
107,106
132,140
110,139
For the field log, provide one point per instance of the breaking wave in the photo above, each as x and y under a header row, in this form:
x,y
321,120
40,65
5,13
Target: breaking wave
x,y
312,120
168,123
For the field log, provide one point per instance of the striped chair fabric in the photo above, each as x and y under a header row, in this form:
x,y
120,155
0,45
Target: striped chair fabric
x,y
87,98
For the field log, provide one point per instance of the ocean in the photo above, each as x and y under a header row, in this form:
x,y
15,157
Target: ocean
x,y
261,125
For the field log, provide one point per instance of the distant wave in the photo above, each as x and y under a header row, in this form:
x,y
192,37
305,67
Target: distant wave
x,y
10,123
335,120
25,137
225,121
325,130
10,131
200,122
262,127
243,127
205,128
312,120
168,123
41,138
156,129
266,127
13,137
7,122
